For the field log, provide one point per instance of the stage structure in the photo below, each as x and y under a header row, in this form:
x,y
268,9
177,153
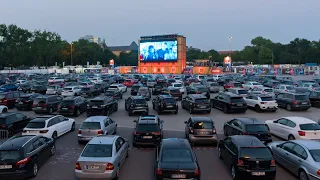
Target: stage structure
x,y
162,54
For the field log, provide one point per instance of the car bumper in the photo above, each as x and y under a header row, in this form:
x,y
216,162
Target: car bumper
x,y
22,106
21,174
241,109
270,108
146,142
202,109
301,107
94,175
138,110
62,112
48,134
244,173
67,94
85,138
51,92
40,110
203,139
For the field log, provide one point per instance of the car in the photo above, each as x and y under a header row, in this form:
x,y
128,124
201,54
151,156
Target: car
x,y
261,103
179,85
41,89
136,104
238,91
145,92
196,102
232,84
229,102
9,98
86,84
26,88
95,80
72,106
135,88
174,92
95,126
310,86
191,87
129,82
89,91
13,122
25,101
3,109
291,128
122,88
314,98
201,90
190,80
151,82
102,87
293,101
158,88
283,88
300,157
8,88
247,126
55,80
102,106
50,126
54,90
250,85
175,159
22,156
247,156
262,90
116,94
214,87
201,129
165,103
46,104
71,91
148,130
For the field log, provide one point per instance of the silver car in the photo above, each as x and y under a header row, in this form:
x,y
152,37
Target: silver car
x,y
301,157
214,87
151,82
262,90
283,88
96,126
102,158
145,92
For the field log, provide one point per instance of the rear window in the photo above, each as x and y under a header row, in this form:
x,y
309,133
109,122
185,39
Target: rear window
x,y
51,87
36,125
151,80
256,84
37,87
97,150
135,87
37,100
176,155
202,100
109,93
256,153
85,89
315,85
236,99
90,125
242,91
115,87
301,97
268,90
67,89
83,84
177,85
203,90
67,102
96,102
214,84
3,120
290,87
267,99
203,125
139,101
310,126
169,100
257,128
237,84
10,155
25,98
193,80
174,90
143,90
315,155
148,128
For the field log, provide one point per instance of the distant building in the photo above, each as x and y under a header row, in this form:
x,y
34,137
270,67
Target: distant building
x,y
91,38
116,50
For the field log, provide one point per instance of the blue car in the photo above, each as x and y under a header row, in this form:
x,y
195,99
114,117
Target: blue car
x,y
8,87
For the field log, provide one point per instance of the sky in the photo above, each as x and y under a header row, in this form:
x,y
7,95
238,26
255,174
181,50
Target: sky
x,y
206,24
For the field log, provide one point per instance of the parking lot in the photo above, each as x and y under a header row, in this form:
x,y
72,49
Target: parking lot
x,y
140,163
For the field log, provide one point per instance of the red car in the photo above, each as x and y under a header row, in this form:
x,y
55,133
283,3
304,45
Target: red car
x,y
191,80
9,98
129,82
232,85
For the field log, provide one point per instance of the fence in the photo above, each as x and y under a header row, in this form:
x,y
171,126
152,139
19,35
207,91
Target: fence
x,y
4,135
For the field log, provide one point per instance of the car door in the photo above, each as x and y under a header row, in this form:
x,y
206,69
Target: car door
x,y
229,152
279,99
121,149
65,124
284,154
281,128
112,125
107,128
229,127
298,158
39,149
21,121
249,100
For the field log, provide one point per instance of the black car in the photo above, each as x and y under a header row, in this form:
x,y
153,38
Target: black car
x,y
196,102
247,157
72,106
174,92
41,89
158,88
248,126
22,156
101,106
135,89
13,122
116,94
293,101
175,159
136,104
165,103
102,87
89,91
229,102
202,90
26,88
46,104
314,98
25,101
148,130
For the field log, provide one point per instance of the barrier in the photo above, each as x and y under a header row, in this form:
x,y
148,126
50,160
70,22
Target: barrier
x,y
4,135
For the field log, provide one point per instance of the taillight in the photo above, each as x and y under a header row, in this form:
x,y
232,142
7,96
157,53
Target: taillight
x,y
301,133
44,131
79,132
78,167
136,133
156,133
72,107
286,90
3,125
263,103
17,100
159,171
190,131
273,163
214,131
23,161
110,166
100,132
262,91
197,172
244,133
4,100
240,162
34,105
294,102
59,107
43,105
318,172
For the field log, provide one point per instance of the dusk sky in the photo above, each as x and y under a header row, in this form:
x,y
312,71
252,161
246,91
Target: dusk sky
x,y
206,23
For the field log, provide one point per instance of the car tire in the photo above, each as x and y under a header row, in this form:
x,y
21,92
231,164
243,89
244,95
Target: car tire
x,y
291,137
225,132
116,108
219,153
127,155
35,169
257,108
288,107
176,112
190,110
5,110
52,150
225,109
73,126
303,175
130,113
209,111
54,135
77,112
234,173
159,112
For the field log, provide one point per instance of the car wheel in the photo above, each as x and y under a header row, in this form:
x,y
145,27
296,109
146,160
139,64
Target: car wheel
x,y
209,111
127,155
116,108
219,153
225,109
50,110
225,131
117,173
159,112
291,137
4,110
176,112
153,106
54,135
190,110
35,169
77,112
257,108
107,112
73,126
115,130
130,113
52,150
121,97
288,107
234,173
303,175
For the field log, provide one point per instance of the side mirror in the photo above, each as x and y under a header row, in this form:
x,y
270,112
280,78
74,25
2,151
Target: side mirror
x,y
276,121
278,146
185,122
135,121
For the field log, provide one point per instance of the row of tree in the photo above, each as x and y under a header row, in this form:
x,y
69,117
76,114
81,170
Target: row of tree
x,y
21,47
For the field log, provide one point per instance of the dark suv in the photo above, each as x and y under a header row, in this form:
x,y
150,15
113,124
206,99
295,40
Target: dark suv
x,y
25,101
247,157
22,156
89,91
196,102
148,130
165,103
229,102
134,104
101,106
314,98
248,126
9,98
293,101
158,88
41,89
46,104
13,122
135,89
26,88
174,92
202,90
72,106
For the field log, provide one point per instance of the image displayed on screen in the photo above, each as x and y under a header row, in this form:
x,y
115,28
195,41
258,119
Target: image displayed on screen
x,y
159,51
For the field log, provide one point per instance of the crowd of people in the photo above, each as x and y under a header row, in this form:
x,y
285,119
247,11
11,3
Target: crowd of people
x,y
166,51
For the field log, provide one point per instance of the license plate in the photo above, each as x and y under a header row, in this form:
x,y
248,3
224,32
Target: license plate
x,y
204,133
202,107
239,104
20,102
84,94
169,106
258,173
20,89
93,167
5,166
147,137
39,107
65,108
94,106
304,103
179,176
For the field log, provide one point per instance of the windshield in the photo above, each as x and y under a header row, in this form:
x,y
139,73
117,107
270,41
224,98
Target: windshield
x,y
37,100
237,84
169,100
310,127
236,99
24,98
176,155
256,153
10,155
85,89
109,93
67,89
147,128
267,99
268,90
151,80
257,128
202,100
201,90
135,87
242,91
256,84
290,87
139,101
90,125
177,85
51,87
97,150
67,102
36,125
214,84
315,154
203,125
174,91
301,97
143,90
83,84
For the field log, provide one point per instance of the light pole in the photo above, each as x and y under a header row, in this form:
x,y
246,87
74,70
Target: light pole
x,y
229,38
71,53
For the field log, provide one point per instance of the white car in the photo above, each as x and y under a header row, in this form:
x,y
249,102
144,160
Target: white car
x,y
291,128
179,85
178,79
3,109
261,103
71,91
50,126
55,79
120,87
251,85
96,80
54,89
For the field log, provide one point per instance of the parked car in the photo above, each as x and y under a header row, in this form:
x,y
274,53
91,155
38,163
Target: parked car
x,y
158,88
102,87
129,82
238,91
262,90
25,101
314,98
174,92
26,88
136,104
89,91
214,87
229,102
148,130
283,88
8,87
145,92
102,106
293,101
122,88
54,90
151,82
250,85
55,80
72,106
116,94
135,89
46,104
71,91
196,102
41,89
261,103
232,84
9,98
13,122
165,103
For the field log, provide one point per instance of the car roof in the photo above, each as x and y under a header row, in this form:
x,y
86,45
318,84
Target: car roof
x,y
197,96
249,120
175,143
237,89
201,118
247,141
137,97
265,87
43,118
148,117
7,114
16,142
98,98
231,94
299,120
165,96
70,98
95,119
309,144
103,139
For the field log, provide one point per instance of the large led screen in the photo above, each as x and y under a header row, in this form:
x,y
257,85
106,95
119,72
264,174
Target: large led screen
x,y
155,51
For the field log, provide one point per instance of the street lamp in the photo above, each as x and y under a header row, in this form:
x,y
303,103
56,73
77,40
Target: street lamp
x,y
229,38
71,53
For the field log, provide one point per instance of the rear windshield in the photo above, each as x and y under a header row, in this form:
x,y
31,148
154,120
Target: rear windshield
x,y
67,89
139,101
96,102
256,128
177,85
237,84
37,100
193,80
83,84
256,153
256,84
37,87
109,93
315,154
310,126
151,80
169,100
67,102
236,99
85,89
203,125
24,98
90,125
143,90
176,155
128,80
97,150
301,97
51,87
289,87
115,87
147,128
202,100
267,99
10,155
135,87
315,85
36,125
3,120
242,91
214,84
268,90
174,90
203,89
